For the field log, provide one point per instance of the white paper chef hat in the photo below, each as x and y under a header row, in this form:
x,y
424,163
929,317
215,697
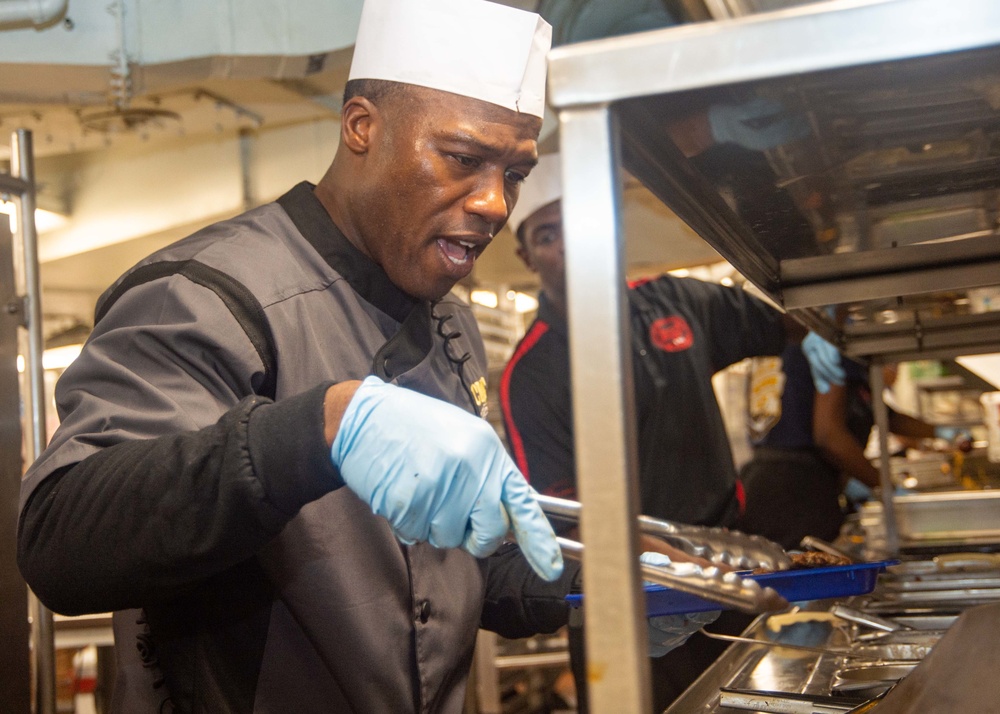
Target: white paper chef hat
x,y
542,187
474,48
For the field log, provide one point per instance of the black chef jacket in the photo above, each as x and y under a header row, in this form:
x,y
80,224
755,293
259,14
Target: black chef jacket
x,y
683,331
265,587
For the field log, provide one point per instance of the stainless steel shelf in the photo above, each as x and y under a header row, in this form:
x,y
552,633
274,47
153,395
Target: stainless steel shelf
x,y
886,202
885,208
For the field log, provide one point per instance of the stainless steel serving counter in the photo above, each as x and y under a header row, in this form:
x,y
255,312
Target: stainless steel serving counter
x,y
756,667
925,595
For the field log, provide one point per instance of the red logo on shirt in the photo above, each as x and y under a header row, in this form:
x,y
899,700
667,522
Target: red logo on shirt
x,y
671,334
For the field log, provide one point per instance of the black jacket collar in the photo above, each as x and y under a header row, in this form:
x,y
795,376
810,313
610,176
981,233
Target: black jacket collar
x,y
365,277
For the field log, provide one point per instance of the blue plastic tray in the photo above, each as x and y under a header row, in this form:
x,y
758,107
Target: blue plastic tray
x,y
793,585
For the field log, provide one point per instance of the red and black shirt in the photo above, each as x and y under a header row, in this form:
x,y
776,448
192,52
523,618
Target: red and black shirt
x,y
683,332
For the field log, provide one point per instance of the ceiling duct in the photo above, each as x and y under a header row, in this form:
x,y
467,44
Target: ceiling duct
x,y
145,67
34,12
155,46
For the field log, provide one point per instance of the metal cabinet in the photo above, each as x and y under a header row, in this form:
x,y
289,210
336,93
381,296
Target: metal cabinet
x,y
844,156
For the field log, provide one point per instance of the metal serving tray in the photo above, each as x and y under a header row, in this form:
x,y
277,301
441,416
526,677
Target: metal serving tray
x,y
948,515
793,585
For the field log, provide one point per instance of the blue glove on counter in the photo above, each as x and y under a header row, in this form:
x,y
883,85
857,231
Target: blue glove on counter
x,y
824,362
439,474
759,124
667,632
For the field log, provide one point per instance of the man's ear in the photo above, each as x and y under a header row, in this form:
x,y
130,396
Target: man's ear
x,y
357,120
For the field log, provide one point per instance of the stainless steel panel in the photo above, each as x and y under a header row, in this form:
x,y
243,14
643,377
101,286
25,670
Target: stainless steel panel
x,y
15,693
927,622
870,679
929,582
891,191
818,37
948,515
603,409
894,651
26,272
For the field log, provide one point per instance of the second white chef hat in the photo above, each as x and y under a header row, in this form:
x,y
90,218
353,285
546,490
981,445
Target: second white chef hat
x,y
542,187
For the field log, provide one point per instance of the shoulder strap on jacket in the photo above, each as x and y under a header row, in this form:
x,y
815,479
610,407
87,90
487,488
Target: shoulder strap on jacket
x,y
237,297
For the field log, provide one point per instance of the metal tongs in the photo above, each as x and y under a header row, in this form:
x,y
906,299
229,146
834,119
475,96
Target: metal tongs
x,y
729,547
718,545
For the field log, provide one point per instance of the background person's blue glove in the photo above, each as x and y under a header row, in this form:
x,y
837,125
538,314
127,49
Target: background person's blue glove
x,y
758,124
824,362
856,492
439,474
668,632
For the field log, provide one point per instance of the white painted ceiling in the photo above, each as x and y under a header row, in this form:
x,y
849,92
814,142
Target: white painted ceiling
x,y
150,119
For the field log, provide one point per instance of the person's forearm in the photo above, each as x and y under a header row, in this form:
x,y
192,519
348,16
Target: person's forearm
x,y
843,452
905,425
835,441
141,521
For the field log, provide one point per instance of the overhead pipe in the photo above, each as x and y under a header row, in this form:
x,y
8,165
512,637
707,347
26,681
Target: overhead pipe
x,y
37,12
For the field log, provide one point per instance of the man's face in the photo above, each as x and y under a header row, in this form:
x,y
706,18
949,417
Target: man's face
x,y
542,249
442,175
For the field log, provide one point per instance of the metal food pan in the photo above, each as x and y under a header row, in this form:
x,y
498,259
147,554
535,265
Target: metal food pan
x,y
961,595
870,679
927,622
894,652
948,515
925,583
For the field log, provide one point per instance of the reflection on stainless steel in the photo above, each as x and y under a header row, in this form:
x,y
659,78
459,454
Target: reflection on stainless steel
x,y
926,622
888,198
818,666
871,678
932,598
919,638
942,581
895,652
868,620
967,562
952,515
786,702
719,545
729,589
939,522
839,652
944,585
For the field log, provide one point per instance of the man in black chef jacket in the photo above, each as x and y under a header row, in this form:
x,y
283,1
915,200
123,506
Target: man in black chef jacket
x,y
683,331
271,463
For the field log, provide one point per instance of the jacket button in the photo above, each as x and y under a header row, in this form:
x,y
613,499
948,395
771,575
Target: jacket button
x,y
385,368
424,612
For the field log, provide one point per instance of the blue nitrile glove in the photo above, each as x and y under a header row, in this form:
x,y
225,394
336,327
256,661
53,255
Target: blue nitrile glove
x,y
857,492
667,632
439,474
758,124
956,437
824,362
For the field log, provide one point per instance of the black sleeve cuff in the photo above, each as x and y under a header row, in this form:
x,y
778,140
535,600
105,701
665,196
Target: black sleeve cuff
x,y
288,450
518,603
